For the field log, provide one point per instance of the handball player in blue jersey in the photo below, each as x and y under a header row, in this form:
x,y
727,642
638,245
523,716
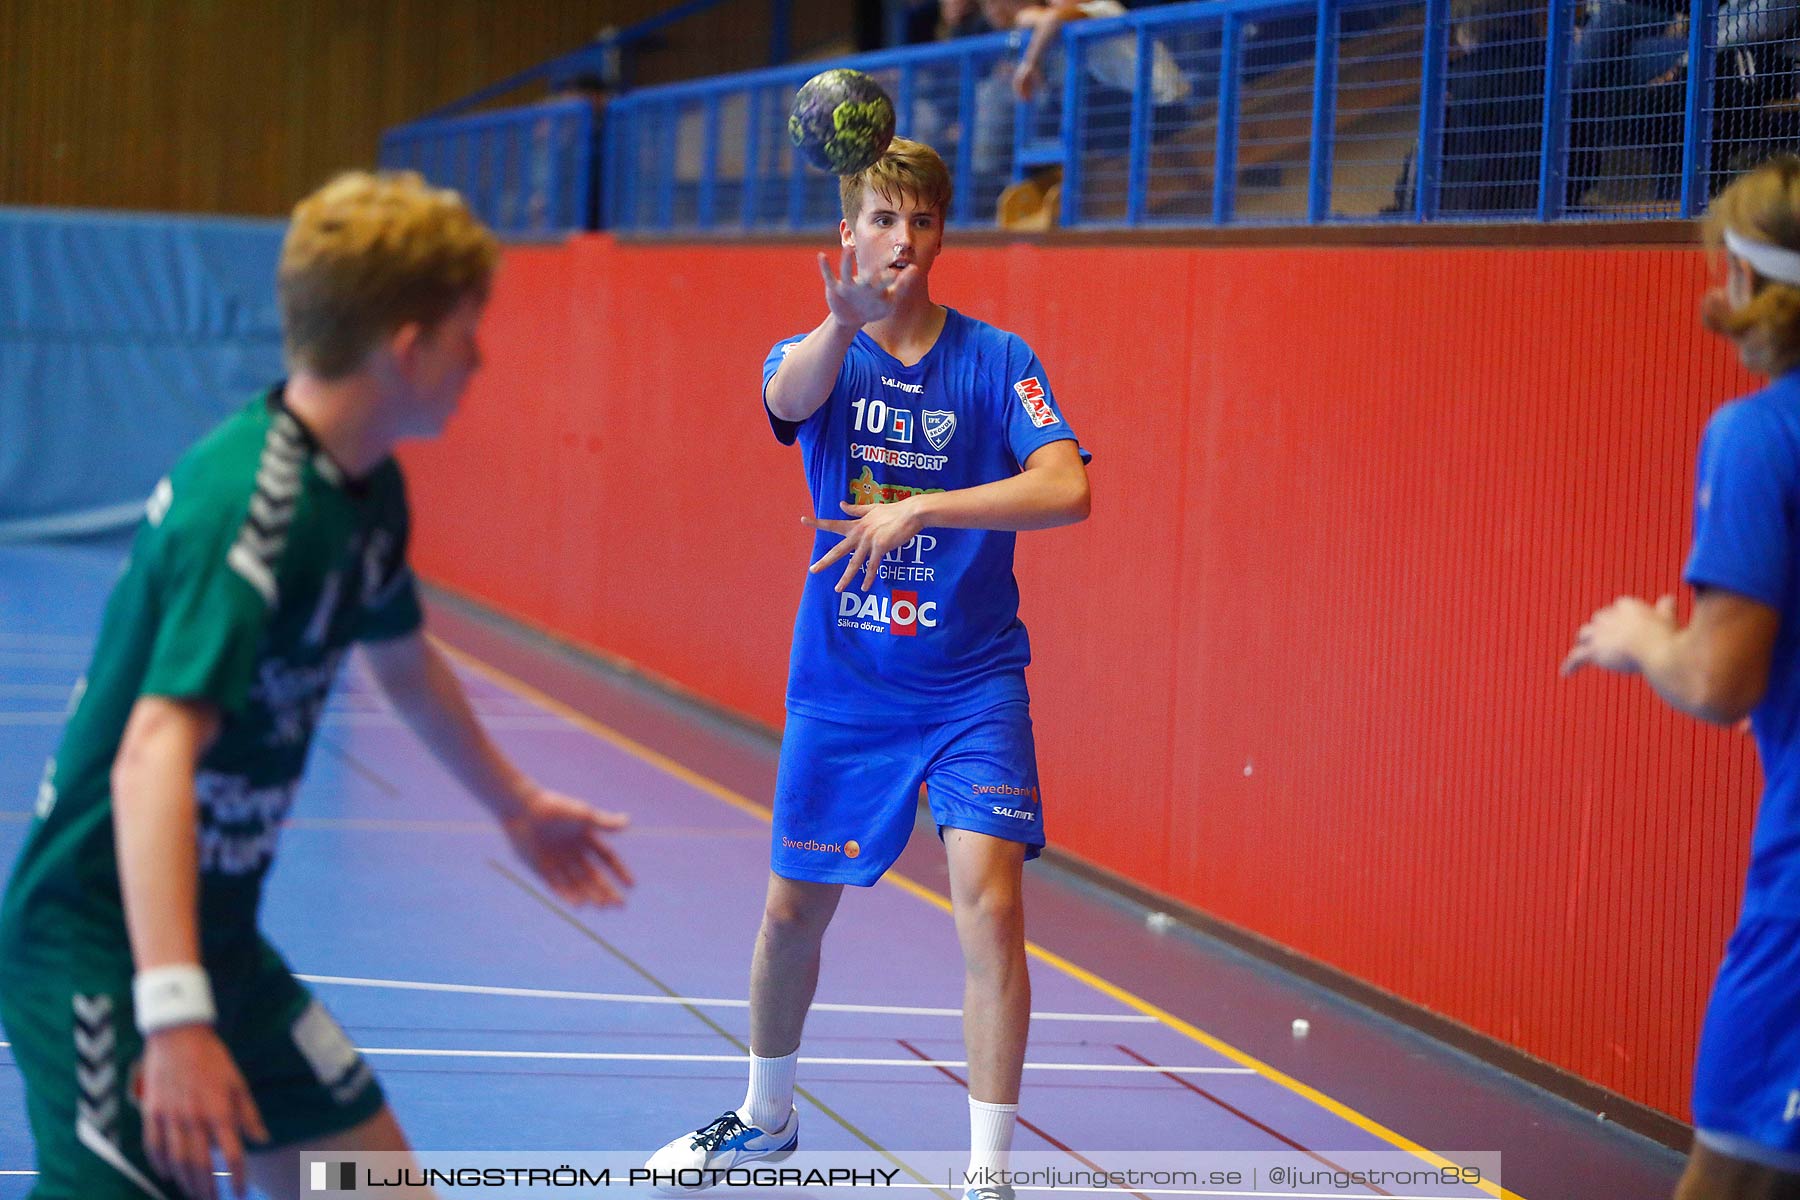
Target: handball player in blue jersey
x,y
1739,656
929,439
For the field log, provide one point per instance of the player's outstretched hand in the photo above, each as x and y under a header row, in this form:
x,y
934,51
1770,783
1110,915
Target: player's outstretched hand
x,y
194,1099
875,531
1612,637
562,840
857,300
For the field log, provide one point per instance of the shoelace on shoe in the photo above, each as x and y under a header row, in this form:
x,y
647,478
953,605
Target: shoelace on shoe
x,y
728,1126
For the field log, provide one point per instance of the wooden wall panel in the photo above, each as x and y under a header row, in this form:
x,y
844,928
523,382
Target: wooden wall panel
x,y
242,106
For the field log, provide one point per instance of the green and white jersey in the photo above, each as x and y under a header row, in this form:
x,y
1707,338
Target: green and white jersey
x,y
256,566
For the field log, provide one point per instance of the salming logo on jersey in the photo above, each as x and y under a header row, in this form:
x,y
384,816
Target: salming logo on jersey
x,y
263,535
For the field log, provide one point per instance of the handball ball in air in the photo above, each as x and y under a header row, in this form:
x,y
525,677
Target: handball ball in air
x,y
842,121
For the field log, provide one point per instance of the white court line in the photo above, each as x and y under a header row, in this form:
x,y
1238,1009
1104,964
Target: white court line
x,y
487,828
694,1001
360,720
738,1059
45,641
380,720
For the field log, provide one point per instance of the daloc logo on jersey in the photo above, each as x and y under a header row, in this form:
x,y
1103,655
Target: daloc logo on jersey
x,y
900,427
939,427
901,615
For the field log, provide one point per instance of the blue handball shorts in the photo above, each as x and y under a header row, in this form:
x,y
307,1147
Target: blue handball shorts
x,y
846,794
1747,1080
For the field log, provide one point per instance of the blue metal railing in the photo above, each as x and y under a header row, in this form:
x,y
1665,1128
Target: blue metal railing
x,y
528,172
553,144
1274,111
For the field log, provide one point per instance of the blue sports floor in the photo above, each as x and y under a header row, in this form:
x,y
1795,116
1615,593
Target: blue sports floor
x,y
500,1021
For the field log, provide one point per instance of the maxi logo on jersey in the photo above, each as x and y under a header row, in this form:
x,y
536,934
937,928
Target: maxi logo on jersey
x,y
1031,395
900,614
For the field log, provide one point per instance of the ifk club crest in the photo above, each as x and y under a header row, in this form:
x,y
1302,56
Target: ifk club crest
x,y
939,427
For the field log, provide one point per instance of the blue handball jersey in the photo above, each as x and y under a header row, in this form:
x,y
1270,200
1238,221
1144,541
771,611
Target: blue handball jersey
x,y
1746,521
938,636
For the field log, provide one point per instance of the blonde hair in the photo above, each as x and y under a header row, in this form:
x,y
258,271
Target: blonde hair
x,y
905,168
1762,205
368,253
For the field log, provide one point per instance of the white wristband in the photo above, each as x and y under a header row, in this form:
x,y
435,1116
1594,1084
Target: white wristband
x,y
166,997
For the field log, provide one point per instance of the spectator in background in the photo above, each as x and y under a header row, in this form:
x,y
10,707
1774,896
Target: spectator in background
x,y
1627,71
942,20
1758,65
1493,109
1628,81
934,111
1762,30
1111,63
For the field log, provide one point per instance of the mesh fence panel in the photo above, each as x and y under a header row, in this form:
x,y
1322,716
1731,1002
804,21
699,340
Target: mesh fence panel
x,y
1274,118
1103,129
1492,132
1752,108
1184,133
1379,55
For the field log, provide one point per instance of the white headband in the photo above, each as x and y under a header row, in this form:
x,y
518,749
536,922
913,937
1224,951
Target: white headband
x,y
1771,262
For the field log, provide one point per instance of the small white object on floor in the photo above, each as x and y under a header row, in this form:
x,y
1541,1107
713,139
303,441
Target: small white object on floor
x,y
1302,1027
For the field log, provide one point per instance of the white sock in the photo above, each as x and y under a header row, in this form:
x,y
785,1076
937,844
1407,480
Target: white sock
x,y
990,1136
771,1094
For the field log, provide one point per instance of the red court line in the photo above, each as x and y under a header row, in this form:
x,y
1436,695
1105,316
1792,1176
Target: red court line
x,y
1235,1111
1039,1130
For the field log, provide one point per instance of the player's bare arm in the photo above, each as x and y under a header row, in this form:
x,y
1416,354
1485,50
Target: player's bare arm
x,y
806,375
1052,490
194,1097
1045,24
561,838
1715,669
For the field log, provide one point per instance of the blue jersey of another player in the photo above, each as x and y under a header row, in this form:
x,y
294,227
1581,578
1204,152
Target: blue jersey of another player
x,y
938,636
1746,520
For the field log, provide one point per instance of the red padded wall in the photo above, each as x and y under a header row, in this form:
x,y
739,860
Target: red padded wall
x,y
1299,669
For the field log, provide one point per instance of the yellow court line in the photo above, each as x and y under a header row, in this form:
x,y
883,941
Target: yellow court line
x,y
745,805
